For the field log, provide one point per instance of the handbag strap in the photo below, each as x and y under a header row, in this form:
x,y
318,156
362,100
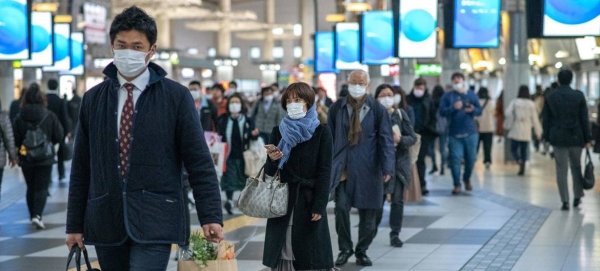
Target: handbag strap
x,y
87,260
71,253
588,156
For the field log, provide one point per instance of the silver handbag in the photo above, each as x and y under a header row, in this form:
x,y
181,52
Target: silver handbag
x,y
264,198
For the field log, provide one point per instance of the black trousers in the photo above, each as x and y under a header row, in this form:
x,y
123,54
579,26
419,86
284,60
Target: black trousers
x,y
1,177
397,210
132,256
37,180
61,168
486,139
425,142
367,226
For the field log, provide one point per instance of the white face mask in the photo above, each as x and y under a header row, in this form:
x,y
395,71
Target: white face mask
x,y
397,99
235,108
387,102
129,62
357,91
296,110
195,94
276,94
232,90
460,87
209,96
419,93
268,98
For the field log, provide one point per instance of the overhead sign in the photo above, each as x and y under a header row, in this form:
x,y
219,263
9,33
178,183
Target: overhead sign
x,y
428,69
95,23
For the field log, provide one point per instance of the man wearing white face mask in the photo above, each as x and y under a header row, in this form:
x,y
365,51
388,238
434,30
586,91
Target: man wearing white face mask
x,y
206,109
461,107
136,131
267,113
364,160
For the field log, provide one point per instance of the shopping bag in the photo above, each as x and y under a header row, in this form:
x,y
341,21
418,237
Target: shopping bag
x,y
76,251
254,157
217,265
212,137
588,179
413,193
218,152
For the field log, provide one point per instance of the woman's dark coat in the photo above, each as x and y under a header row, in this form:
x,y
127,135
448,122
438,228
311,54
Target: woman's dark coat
x,y
307,173
29,116
408,138
227,184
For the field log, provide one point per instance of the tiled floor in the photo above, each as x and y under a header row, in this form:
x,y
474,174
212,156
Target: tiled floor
x,y
507,223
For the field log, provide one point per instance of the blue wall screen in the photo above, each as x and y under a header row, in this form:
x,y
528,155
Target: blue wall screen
x,y
14,30
476,23
324,47
377,38
347,50
571,18
41,40
77,54
62,48
418,23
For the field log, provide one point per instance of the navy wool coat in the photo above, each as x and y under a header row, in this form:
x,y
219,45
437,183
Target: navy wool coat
x,y
369,160
147,205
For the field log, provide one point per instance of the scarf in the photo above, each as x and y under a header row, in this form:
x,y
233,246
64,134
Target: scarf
x,y
355,131
294,132
229,129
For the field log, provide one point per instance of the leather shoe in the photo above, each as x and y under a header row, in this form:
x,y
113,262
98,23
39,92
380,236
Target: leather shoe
x,y
343,257
456,190
396,242
363,260
468,186
576,203
565,206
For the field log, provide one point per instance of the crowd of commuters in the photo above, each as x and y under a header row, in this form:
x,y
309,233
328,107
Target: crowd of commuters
x,y
358,150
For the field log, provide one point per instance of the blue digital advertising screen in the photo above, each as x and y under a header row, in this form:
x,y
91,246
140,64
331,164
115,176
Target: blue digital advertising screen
x,y
324,49
377,38
62,49
476,23
571,18
77,56
418,23
42,29
347,46
14,30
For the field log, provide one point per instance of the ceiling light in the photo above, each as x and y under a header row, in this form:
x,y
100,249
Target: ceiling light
x,y
335,18
50,7
502,61
297,30
558,65
358,7
562,54
63,18
277,31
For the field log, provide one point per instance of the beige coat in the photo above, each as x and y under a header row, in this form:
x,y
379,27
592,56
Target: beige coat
x,y
526,119
486,120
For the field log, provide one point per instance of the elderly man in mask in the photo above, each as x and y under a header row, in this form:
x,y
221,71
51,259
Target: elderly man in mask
x,y
363,161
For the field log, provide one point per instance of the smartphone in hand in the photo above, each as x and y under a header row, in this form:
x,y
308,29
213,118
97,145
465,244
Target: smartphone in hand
x,y
271,147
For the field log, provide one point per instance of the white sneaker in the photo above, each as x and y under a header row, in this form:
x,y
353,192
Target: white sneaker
x,y
37,222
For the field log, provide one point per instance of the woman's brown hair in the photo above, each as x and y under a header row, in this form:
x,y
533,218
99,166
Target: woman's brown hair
x,y
302,91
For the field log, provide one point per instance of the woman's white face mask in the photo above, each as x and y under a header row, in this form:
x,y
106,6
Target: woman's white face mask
x,y
296,110
387,102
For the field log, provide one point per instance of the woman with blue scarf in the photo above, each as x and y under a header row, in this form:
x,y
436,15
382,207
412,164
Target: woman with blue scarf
x,y
300,240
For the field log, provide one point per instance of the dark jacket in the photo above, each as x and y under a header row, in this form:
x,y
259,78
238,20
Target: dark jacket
x,y
15,107
408,138
428,114
30,116
459,121
307,173
328,101
7,143
229,183
148,204
247,133
209,117
369,160
73,107
59,107
565,118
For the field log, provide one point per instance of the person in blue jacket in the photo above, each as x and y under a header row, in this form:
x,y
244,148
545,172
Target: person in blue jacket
x,y
136,130
461,106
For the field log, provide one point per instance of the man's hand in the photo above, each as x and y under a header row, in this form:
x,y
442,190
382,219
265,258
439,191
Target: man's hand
x,y
255,132
75,239
470,109
14,162
388,197
69,135
397,138
458,105
588,146
316,217
387,178
213,232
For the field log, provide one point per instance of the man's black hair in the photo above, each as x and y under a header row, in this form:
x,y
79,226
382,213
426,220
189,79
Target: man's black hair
x,y
565,77
195,82
233,83
457,74
134,18
52,84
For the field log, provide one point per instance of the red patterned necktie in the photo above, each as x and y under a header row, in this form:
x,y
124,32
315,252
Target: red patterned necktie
x,y
126,129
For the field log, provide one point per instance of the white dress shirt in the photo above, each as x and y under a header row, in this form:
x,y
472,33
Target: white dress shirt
x,y
140,84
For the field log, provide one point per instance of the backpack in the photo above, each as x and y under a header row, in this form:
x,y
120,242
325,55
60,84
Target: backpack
x,y
36,147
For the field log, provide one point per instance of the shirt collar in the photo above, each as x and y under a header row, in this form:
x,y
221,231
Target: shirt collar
x,y
140,82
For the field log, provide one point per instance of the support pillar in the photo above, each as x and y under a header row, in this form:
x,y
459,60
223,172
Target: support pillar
x,y
29,76
307,19
163,23
517,63
224,73
269,76
407,73
7,84
450,65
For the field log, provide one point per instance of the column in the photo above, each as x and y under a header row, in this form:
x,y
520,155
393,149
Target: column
x,y
269,76
450,65
29,76
517,71
307,19
224,73
7,83
163,23
407,73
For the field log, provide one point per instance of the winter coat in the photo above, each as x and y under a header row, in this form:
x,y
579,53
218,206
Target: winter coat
x,y
228,184
266,120
7,144
307,173
59,107
147,205
429,112
565,118
408,138
461,123
525,117
74,104
209,117
367,162
30,116
485,122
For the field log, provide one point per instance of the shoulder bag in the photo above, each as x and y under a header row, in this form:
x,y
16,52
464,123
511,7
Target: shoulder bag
x,y
588,179
263,198
414,149
76,251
